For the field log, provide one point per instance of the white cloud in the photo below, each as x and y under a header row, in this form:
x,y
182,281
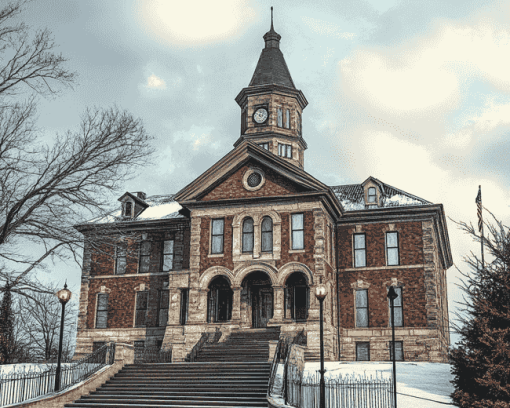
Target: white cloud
x,y
155,82
428,73
327,29
188,23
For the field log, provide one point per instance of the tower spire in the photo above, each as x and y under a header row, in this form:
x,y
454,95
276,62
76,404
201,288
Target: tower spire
x,y
272,29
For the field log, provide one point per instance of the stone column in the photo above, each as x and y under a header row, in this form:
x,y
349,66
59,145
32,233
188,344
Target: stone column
x,y
278,303
236,305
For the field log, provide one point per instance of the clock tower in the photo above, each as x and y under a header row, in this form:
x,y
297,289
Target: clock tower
x,y
272,107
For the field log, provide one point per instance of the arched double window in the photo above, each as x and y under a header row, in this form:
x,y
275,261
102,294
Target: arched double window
x,y
248,235
267,234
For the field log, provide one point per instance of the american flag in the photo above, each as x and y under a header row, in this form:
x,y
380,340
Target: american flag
x,y
479,205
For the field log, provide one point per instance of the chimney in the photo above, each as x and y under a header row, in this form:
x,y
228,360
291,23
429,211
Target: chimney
x,y
141,195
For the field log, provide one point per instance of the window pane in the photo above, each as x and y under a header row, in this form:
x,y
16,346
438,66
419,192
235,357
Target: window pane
x,y
267,224
362,352
280,117
289,151
392,256
248,242
168,247
141,300
297,222
399,354
101,319
163,299
362,298
398,317
217,244
398,299
168,263
361,317
360,259
287,119
359,241
145,264
102,301
267,241
140,318
248,225
217,227
391,240
163,317
121,265
297,240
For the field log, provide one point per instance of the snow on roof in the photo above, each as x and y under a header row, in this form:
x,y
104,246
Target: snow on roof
x,y
352,197
162,207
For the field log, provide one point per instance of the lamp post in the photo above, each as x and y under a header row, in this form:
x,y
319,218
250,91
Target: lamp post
x,y
63,295
392,295
321,292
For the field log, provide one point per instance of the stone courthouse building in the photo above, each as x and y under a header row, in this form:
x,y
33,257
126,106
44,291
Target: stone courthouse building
x,y
243,246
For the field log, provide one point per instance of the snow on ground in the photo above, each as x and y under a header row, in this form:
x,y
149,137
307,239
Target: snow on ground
x,y
424,380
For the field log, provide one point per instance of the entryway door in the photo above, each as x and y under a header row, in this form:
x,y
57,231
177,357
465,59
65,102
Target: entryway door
x,y
262,307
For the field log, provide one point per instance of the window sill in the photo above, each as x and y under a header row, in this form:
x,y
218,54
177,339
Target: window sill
x,y
297,251
215,255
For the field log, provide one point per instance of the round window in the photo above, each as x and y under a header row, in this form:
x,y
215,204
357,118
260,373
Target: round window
x,y
254,179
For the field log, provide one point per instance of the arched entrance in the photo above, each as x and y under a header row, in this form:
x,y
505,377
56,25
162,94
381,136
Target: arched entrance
x,y
257,294
219,300
297,297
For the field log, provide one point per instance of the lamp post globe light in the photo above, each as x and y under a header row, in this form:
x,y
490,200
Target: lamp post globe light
x,y
64,295
321,291
392,295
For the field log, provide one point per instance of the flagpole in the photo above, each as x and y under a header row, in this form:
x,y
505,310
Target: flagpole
x,y
480,221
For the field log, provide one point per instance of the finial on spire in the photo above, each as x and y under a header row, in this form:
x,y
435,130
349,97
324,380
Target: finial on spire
x,y
272,18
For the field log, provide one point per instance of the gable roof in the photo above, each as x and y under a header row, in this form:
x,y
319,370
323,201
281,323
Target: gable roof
x,y
245,151
352,196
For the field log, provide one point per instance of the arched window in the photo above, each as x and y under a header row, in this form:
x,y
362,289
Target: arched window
x,y
248,235
267,234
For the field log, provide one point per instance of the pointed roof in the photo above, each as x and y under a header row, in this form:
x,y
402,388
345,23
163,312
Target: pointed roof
x,y
271,68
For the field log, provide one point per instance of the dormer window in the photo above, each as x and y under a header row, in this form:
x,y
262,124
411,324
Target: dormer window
x,y
128,207
372,195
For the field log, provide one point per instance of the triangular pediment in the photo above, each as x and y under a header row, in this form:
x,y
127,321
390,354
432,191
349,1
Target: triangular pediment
x,y
227,179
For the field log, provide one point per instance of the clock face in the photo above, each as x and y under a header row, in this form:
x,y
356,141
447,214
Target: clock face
x,y
260,115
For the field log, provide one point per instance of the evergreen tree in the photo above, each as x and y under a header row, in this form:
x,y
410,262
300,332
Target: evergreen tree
x,y
481,360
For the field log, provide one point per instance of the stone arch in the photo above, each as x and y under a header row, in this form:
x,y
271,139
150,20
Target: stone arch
x,y
214,271
257,216
291,267
243,272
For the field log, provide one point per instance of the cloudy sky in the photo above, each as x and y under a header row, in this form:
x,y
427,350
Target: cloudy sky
x,y
415,93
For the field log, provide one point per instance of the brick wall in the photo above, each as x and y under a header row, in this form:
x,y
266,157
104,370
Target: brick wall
x,y
410,244
233,186
413,296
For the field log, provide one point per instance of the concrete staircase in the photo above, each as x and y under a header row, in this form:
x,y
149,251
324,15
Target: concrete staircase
x,y
241,345
230,374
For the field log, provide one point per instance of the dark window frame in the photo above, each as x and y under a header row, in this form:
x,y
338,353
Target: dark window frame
x,y
142,256
394,247
264,145
401,343
399,299
184,307
292,230
128,209
163,254
365,308
161,309
222,235
359,344
120,252
370,196
285,150
269,232
98,310
248,234
364,249
137,323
